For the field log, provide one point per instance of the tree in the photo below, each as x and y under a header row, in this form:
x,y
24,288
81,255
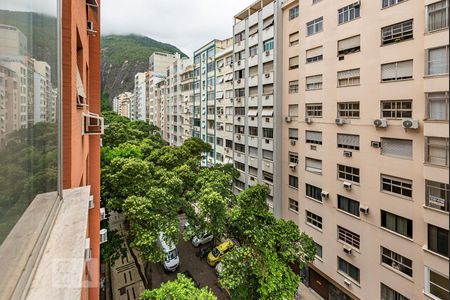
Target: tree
x,y
180,289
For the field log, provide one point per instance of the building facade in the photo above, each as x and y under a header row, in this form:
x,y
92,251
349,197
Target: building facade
x,y
122,104
365,144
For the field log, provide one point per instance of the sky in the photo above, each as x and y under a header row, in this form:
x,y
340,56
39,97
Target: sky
x,y
186,24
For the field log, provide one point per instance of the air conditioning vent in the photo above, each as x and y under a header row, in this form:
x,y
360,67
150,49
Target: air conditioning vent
x,y
347,249
325,194
308,120
339,121
102,213
267,53
410,124
347,185
364,209
91,202
92,124
341,57
375,144
90,27
347,282
288,119
348,153
267,75
103,235
382,123
293,142
292,166
87,249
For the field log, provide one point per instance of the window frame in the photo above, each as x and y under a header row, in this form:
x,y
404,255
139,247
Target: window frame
x,y
294,205
349,10
436,247
316,24
395,230
347,173
402,181
397,111
427,279
349,112
395,38
348,237
313,192
314,220
346,273
444,190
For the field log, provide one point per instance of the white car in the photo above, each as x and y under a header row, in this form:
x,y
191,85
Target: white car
x,y
172,259
202,239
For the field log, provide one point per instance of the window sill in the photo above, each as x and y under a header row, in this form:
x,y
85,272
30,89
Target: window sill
x,y
315,227
397,80
435,75
346,244
425,248
428,295
350,85
436,210
294,211
435,31
349,278
393,5
397,234
435,166
435,121
390,268
397,195
313,199
347,213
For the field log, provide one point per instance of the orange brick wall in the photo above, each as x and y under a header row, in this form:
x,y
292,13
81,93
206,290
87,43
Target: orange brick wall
x,y
81,154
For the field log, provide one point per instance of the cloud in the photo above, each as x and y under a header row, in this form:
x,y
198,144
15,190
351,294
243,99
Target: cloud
x,y
186,24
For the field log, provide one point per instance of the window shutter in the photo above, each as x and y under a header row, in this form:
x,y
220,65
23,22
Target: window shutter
x,y
293,110
252,112
294,37
348,74
348,139
267,112
253,30
268,67
314,52
314,79
396,147
313,165
253,71
349,43
314,136
253,91
293,133
268,89
268,22
388,71
219,95
437,150
293,61
405,68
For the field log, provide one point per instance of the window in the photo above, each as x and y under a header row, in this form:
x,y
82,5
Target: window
x,y
348,13
313,137
252,112
437,14
314,192
388,3
319,250
348,173
313,165
397,71
239,166
293,157
268,133
348,110
293,39
386,292
313,219
314,26
293,134
397,224
253,131
348,77
348,205
396,185
252,151
293,205
314,54
396,261
239,147
349,45
293,181
438,240
293,63
396,109
436,284
314,82
268,45
436,151
348,237
348,269
437,195
397,32
266,176
313,110
437,106
293,13
239,184
293,110
268,155
239,55
253,51
293,87
253,30
239,37
437,61
268,22
397,148
348,141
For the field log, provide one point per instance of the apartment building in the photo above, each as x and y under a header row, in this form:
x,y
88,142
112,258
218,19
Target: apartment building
x,y
204,102
159,61
257,110
122,104
224,106
50,194
139,103
365,144
187,93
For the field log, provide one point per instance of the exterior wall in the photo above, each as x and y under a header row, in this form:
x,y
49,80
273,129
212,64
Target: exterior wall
x,y
140,96
370,161
122,104
158,62
81,153
187,92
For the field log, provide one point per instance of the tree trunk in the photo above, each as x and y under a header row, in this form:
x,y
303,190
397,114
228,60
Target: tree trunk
x,y
138,266
148,274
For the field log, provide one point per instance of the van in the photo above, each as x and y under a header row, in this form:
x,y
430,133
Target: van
x,y
171,259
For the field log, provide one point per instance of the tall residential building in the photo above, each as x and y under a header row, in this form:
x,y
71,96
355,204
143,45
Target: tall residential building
x,y
187,93
139,103
204,102
122,104
257,98
365,144
50,151
158,62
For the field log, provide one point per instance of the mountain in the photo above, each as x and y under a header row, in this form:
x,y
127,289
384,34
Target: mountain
x,y
125,55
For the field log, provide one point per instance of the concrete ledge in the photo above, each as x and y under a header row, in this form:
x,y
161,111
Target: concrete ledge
x,y
60,271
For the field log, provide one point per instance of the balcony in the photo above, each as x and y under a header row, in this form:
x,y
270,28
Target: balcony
x,y
240,64
253,40
239,120
253,121
253,60
267,144
267,56
252,141
239,46
267,78
267,100
253,161
253,80
240,157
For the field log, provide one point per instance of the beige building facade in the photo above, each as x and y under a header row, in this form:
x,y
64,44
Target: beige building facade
x,y
365,144
122,104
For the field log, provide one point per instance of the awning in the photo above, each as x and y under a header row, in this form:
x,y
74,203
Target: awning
x,y
267,112
252,113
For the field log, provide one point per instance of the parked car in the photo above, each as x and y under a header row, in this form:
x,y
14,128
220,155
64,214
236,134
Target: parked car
x,y
172,259
217,254
202,239
189,275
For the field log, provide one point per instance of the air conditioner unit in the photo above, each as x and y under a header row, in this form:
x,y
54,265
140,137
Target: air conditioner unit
x,y
347,282
339,121
238,81
364,209
227,149
410,124
238,118
267,53
324,194
348,153
341,57
102,213
91,202
375,144
347,249
239,63
103,235
357,3
87,249
92,124
90,26
308,120
292,166
267,97
293,142
288,119
382,123
238,136
267,75
238,99
347,185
